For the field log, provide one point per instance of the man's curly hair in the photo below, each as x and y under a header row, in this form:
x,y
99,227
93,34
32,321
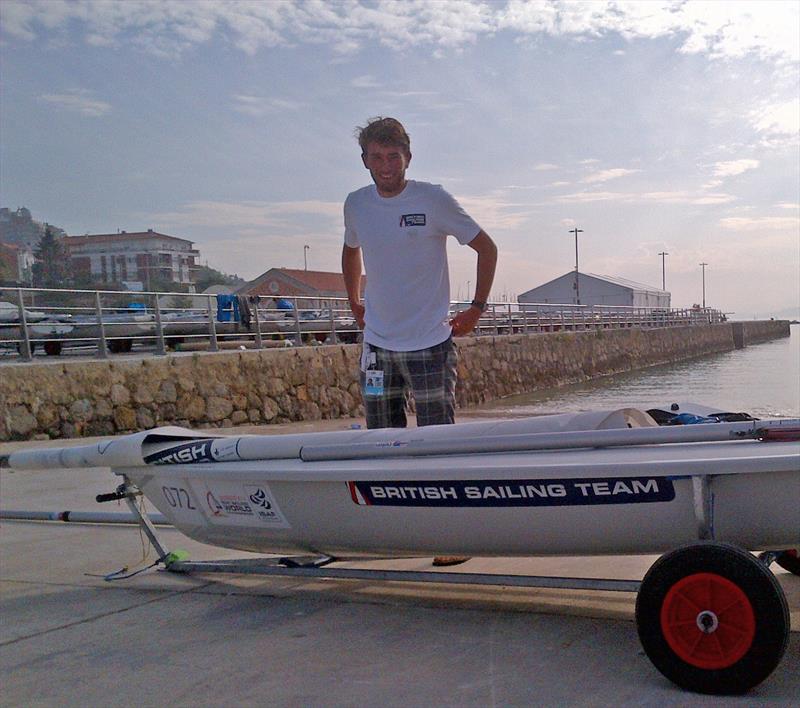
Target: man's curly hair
x,y
384,131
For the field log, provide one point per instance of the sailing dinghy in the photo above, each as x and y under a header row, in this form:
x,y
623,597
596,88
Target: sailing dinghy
x,y
710,615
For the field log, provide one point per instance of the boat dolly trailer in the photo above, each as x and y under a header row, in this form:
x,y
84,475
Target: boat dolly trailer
x,y
710,615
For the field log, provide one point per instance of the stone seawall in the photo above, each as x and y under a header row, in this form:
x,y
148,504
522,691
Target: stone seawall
x,y
83,398
745,333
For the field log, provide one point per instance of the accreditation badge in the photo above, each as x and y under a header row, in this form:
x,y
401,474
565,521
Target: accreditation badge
x,y
373,383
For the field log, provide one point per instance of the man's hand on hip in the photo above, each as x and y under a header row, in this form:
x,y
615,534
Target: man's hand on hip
x,y
464,322
358,312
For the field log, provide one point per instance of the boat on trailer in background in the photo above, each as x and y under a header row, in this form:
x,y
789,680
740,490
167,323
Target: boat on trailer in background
x,y
710,615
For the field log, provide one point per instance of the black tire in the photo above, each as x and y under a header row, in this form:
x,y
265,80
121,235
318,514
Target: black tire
x,y
52,348
120,346
713,585
790,560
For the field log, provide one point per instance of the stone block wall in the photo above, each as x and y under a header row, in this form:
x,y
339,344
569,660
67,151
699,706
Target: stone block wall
x,y
106,397
512,364
74,399
756,331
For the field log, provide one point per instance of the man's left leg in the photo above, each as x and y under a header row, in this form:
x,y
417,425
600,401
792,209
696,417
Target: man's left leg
x,y
432,374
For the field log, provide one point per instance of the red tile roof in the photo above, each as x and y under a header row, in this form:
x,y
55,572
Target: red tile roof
x,y
291,281
316,279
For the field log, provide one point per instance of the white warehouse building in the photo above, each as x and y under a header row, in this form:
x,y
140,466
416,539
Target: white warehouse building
x,y
596,290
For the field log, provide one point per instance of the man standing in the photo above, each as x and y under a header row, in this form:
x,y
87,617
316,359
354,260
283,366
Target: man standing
x,y
401,227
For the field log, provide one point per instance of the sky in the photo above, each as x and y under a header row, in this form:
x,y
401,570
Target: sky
x,y
652,126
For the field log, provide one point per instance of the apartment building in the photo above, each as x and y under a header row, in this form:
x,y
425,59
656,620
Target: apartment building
x,y
141,257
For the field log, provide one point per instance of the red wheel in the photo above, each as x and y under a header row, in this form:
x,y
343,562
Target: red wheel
x,y
708,621
712,618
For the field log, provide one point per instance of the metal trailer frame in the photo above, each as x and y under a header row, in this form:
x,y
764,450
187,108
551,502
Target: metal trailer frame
x,y
318,567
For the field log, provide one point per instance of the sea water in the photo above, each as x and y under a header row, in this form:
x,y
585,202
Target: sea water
x,y
761,379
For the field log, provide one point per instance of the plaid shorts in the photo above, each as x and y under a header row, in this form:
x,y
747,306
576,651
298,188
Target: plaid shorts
x,y
430,374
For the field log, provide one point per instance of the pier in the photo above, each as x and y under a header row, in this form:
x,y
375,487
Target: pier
x,y
65,398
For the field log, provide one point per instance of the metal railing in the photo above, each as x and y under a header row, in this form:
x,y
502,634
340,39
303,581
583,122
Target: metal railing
x,y
524,318
99,322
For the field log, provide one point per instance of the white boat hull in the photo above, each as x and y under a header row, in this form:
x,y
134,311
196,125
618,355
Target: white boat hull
x,y
515,504
554,485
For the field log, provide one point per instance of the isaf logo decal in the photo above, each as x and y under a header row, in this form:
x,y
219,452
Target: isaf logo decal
x,y
259,498
412,220
263,503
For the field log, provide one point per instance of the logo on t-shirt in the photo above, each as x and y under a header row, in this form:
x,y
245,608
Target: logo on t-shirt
x,y
412,220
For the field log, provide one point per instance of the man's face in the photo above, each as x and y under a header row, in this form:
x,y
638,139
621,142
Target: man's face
x,y
387,164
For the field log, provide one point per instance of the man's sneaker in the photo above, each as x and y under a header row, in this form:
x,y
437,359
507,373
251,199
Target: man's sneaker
x,y
450,560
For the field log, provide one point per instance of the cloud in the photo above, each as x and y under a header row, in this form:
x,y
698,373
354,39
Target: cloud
x,y
734,29
664,197
494,211
719,29
759,223
249,214
365,82
606,175
778,118
78,101
713,199
260,105
543,166
168,27
732,168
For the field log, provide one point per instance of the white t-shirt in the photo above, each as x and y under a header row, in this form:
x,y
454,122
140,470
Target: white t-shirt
x,y
403,242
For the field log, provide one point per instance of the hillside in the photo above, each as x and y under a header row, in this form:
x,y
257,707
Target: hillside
x,y
19,228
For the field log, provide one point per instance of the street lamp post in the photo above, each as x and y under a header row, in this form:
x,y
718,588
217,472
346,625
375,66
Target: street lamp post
x,y
576,231
663,270
703,266
306,249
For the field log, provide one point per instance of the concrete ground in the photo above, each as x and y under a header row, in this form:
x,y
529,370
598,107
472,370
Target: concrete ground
x,y
67,637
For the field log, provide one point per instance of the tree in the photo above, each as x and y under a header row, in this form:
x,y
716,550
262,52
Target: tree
x,y
8,264
205,277
52,267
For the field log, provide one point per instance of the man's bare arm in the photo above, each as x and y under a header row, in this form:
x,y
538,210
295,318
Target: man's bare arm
x,y
464,322
351,270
